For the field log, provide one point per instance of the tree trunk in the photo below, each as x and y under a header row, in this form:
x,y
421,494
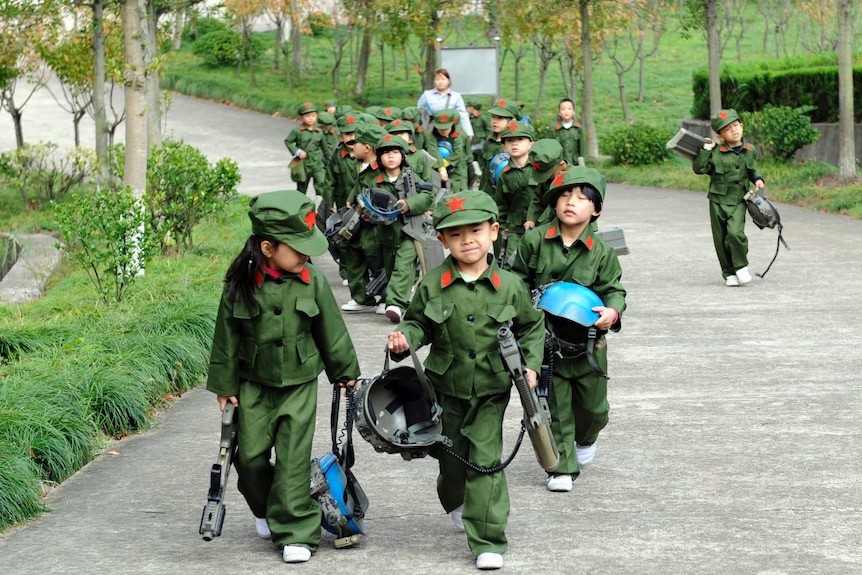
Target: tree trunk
x,y
179,25
148,42
135,81
588,120
279,36
713,46
296,37
847,143
431,51
99,112
362,60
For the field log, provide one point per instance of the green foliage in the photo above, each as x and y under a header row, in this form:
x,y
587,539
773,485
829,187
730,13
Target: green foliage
x,y
811,81
40,174
103,232
320,23
20,489
183,189
637,145
219,48
199,27
780,131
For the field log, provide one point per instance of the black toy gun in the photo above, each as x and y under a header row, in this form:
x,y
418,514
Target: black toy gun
x,y
349,225
214,511
378,283
504,245
537,415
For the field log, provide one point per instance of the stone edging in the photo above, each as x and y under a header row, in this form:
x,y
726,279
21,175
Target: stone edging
x,y
37,261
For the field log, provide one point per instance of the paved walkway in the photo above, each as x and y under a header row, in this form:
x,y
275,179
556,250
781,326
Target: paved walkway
x,y
733,445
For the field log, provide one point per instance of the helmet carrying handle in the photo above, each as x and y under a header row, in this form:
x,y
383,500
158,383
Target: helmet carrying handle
x,y
420,374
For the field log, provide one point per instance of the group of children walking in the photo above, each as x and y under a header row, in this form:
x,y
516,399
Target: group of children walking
x,y
527,227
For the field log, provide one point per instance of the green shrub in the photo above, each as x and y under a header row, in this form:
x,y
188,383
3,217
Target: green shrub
x,y
104,233
320,23
20,488
780,131
199,27
637,145
40,174
183,189
219,48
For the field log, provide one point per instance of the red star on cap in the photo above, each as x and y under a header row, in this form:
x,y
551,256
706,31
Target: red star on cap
x,y
558,180
456,204
513,127
536,166
307,104
351,119
388,111
501,103
722,115
396,122
387,137
444,118
310,218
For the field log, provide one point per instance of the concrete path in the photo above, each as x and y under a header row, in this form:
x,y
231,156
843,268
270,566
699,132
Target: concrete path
x,y
733,445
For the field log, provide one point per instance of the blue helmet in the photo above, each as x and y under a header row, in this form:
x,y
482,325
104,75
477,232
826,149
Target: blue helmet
x,y
497,165
445,148
570,301
379,206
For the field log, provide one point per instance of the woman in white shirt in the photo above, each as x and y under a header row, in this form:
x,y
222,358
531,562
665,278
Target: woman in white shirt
x,y
441,97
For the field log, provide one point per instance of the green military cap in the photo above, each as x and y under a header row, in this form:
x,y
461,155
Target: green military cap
x,y
305,108
518,130
411,113
344,108
545,155
380,113
324,118
369,134
506,109
332,102
445,118
389,141
393,111
399,125
288,217
575,176
463,208
722,119
348,122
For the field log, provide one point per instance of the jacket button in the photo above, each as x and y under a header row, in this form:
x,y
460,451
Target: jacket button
x,y
277,311
472,355
279,344
471,286
279,281
470,319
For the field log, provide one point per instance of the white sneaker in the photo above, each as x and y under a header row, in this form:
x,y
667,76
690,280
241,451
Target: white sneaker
x,y
585,453
731,281
344,282
353,306
296,554
393,312
489,561
743,275
456,515
559,483
381,309
262,528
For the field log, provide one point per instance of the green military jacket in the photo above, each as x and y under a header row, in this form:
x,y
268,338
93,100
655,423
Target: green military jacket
x,y
461,320
420,162
542,259
492,147
460,156
481,123
293,332
514,194
343,172
311,140
573,140
419,204
730,171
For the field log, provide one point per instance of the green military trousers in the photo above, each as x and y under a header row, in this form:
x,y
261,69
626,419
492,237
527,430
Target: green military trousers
x,y
400,264
356,254
282,418
728,236
579,406
475,427
316,172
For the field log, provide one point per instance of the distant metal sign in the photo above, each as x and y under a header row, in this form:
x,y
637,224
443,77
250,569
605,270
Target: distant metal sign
x,y
472,70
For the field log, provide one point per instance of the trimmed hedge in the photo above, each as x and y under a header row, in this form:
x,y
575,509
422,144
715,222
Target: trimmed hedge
x,y
792,82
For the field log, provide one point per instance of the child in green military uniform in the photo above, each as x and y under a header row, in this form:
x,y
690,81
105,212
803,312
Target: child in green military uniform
x,y
360,252
308,153
569,133
730,166
326,123
515,186
277,328
418,160
397,249
459,308
453,147
567,249
546,159
481,123
502,114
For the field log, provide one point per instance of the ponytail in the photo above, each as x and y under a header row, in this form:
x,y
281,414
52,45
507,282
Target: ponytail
x,y
241,276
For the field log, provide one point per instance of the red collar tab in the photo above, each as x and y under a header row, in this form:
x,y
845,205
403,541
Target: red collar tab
x,y
305,275
380,178
552,232
446,279
495,279
589,243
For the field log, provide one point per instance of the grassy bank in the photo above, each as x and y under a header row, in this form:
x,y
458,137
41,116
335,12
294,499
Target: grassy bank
x,y
75,373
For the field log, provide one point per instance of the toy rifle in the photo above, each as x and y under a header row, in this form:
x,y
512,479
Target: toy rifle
x,y
537,414
504,245
214,511
428,247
